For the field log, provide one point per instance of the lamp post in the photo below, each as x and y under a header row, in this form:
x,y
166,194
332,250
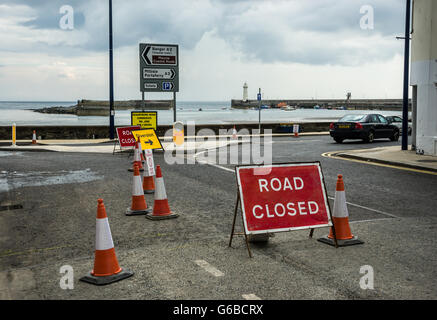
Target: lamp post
x,y
111,77
406,78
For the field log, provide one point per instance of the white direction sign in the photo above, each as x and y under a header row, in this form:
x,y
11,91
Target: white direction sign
x,y
153,73
159,67
158,55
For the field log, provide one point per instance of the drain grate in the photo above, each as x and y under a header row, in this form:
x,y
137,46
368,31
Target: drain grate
x,y
11,207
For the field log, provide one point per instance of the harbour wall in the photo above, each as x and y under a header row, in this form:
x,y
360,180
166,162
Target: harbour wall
x,y
101,132
353,104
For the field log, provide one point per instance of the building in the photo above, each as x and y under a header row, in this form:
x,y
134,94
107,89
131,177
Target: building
x,y
423,77
245,95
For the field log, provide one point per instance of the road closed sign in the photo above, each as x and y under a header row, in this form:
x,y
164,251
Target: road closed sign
x,y
125,136
283,197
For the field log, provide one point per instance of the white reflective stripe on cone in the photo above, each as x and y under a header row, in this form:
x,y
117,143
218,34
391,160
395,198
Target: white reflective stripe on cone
x,y
137,188
340,207
103,235
160,193
137,156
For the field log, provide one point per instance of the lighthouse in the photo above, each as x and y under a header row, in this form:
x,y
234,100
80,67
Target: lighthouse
x,y
245,95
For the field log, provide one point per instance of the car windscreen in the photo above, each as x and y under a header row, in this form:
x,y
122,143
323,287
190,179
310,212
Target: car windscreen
x,y
353,117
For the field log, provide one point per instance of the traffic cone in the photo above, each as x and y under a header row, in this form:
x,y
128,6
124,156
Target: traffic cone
x,y
161,209
139,205
137,159
296,130
340,218
148,184
234,133
34,137
106,268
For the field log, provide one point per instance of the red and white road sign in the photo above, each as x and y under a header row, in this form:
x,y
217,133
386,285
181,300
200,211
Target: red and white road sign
x,y
125,136
149,162
283,197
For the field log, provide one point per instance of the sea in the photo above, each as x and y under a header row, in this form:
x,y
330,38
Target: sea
x,y
201,112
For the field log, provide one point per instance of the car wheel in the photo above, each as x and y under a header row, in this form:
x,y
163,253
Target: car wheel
x,y
370,137
395,136
338,140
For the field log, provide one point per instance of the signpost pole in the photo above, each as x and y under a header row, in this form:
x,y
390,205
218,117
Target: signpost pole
x,y
259,110
174,106
142,101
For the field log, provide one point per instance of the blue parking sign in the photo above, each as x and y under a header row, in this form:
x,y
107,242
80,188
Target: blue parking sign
x,y
258,96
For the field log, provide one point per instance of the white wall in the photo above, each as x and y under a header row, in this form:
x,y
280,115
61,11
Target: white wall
x,y
424,73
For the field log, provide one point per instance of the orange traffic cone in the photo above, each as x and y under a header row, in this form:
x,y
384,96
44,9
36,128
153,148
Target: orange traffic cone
x,y
149,173
137,159
161,209
341,230
106,268
296,130
139,205
148,184
34,137
234,133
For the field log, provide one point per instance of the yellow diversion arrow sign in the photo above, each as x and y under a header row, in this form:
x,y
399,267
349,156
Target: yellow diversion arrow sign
x,y
148,139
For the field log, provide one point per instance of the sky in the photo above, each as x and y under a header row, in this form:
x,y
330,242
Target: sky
x,y
291,49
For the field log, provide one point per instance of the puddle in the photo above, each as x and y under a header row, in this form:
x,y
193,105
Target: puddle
x,y
14,180
10,153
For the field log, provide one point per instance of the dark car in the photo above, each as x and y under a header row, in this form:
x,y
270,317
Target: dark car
x,y
363,126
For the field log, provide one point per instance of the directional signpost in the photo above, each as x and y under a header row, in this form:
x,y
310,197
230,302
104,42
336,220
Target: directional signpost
x,y
159,69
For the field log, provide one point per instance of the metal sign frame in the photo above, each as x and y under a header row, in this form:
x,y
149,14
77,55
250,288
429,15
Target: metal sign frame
x,y
239,203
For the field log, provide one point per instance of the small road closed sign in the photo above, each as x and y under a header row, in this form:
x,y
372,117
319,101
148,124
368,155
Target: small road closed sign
x,y
125,136
283,197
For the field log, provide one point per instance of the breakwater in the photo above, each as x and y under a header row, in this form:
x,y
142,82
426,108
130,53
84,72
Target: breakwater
x,y
101,132
101,107
352,104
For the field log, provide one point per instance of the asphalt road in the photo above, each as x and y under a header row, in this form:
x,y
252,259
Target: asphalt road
x,y
391,210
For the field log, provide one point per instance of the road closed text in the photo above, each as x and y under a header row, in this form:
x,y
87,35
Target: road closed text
x,y
287,208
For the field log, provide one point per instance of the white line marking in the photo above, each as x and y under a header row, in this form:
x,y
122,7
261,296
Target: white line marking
x,y
349,203
370,220
370,209
209,268
250,296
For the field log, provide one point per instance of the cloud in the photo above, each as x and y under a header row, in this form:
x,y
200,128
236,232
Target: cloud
x,y
310,32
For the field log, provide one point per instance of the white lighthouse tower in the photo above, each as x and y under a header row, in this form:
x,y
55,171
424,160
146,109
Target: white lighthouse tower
x,y
245,95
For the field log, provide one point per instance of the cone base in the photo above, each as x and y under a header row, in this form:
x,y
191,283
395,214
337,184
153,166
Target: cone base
x,y
100,281
130,212
172,215
340,243
149,191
